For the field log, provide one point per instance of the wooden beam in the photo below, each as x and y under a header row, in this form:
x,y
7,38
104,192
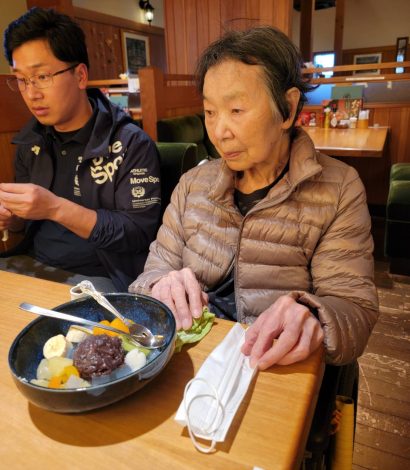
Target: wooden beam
x,y
305,40
123,23
339,26
354,67
63,6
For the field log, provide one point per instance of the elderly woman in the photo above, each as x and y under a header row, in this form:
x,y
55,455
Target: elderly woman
x,y
273,234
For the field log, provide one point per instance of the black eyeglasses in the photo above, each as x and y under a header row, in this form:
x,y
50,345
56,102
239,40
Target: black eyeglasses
x,y
41,80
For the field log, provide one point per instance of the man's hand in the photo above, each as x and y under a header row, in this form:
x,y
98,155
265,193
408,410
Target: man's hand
x,y
32,202
181,292
28,201
5,218
297,333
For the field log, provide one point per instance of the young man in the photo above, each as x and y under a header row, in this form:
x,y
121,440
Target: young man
x,y
87,189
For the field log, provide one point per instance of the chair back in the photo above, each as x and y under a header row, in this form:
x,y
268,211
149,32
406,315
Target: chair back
x,y
190,128
176,158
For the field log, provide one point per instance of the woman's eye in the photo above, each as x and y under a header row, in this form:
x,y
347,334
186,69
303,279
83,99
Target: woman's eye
x,y
236,111
209,113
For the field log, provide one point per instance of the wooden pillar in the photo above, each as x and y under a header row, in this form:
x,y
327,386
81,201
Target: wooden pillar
x,y
151,86
339,25
63,6
305,41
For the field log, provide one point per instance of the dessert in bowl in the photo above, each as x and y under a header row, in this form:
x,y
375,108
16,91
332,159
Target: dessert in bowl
x,y
27,352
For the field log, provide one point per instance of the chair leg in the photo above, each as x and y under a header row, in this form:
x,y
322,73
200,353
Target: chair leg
x,y
341,380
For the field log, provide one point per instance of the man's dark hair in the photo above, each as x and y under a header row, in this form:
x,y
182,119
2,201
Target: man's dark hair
x,y
65,37
265,46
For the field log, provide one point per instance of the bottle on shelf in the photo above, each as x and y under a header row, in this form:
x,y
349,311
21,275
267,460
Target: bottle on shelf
x,y
326,121
333,118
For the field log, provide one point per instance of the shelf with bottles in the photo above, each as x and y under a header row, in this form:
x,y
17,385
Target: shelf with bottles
x,y
118,92
116,85
363,73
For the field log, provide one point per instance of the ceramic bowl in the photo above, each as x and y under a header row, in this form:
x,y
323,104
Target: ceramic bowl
x,y
27,351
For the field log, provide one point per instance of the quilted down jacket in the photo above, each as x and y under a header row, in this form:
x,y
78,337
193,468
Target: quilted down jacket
x,y
309,237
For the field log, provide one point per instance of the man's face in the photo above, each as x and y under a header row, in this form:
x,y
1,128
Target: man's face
x,y
57,105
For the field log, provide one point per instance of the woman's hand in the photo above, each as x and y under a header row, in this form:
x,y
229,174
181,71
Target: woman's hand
x,y
181,292
297,333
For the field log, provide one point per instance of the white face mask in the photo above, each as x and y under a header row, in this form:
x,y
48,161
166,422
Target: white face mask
x,y
213,396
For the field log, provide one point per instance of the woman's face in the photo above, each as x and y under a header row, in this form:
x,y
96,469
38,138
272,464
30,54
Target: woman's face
x,y
241,118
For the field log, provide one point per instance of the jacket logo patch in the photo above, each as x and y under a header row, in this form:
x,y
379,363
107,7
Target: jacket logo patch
x,y
116,147
35,149
138,171
138,191
145,179
102,173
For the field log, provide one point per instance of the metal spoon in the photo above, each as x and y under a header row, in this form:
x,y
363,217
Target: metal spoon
x,y
87,287
149,343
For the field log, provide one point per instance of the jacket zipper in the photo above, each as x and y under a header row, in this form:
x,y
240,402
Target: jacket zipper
x,y
239,313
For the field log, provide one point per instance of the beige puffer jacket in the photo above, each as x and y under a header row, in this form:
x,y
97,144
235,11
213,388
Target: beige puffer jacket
x,y
310,237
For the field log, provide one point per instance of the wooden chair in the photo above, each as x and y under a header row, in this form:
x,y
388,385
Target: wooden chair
x,y
397,236
337,380
164,96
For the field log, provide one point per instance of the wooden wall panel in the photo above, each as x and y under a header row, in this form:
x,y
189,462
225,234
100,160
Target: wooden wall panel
x,y
190,25
104,41
235,15
182,37
157,51
206,31
191,41
13,111
212,20
13,115
104,49
281,14
63,6
7,150
374,172
170,39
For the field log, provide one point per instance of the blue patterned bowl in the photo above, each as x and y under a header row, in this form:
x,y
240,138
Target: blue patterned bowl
x,y
26,353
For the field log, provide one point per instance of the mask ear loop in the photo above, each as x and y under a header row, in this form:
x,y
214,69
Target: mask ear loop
x,y
201,448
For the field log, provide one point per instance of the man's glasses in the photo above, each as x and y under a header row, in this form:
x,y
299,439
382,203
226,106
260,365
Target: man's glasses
x,y
41,80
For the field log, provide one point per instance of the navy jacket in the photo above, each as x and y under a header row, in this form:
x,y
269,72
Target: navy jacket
x,y
118,177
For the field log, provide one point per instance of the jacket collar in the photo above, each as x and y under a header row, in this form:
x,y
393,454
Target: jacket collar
x,y
107,120
303,165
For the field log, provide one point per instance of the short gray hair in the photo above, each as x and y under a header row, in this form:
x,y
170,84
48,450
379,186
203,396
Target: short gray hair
x,y
272,50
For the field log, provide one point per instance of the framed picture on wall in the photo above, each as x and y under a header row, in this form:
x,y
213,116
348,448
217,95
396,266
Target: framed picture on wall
x,y
360,59
401,49
135,52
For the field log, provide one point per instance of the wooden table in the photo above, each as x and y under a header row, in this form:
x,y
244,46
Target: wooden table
x,y
269,430
368,142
